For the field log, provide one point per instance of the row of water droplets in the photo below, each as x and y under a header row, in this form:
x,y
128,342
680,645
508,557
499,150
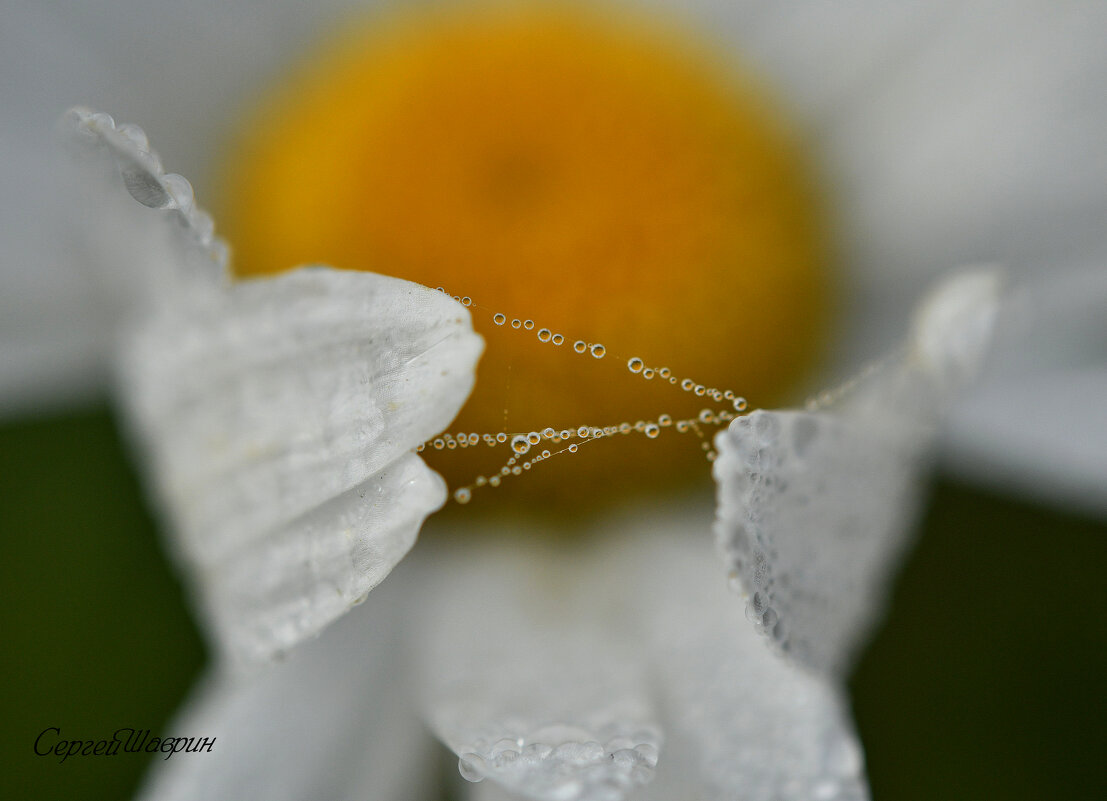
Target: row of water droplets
x,y
570,440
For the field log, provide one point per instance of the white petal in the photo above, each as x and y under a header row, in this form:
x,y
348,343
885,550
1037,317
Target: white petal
x,y
531,678
740,721
814,506
335,721
277,415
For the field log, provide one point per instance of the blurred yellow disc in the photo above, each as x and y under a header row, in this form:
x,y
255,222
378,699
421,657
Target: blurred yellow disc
x,y
603,177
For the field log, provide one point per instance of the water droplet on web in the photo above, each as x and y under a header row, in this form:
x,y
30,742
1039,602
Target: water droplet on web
x,y
687,384
494,481
529,324
580,346
516,323
582,432
534,437
439,444
740,404
573,448
463,495
544,335
548,433
471,768
499,319
501,437
466,301
652,430
700,390
647,373
665,420
557,339
635,364
519,444
545,454
598,350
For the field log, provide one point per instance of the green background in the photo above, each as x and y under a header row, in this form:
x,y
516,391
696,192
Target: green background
x,y
987,680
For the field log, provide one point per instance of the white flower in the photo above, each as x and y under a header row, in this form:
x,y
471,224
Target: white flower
x,y
565,683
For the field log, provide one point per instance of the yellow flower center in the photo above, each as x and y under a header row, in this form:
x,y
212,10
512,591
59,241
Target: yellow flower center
x,y
600,176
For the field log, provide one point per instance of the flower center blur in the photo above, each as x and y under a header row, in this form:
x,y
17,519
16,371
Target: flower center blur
x,y
603,177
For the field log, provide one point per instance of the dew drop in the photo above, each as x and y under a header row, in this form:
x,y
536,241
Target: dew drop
x,y
597,432
534,437
566,433
501,437
665,420
707,416
499,319
516,323
700,390
420,447
647,373
548,433
664,372
682,426
469,766
574,448
740,404
480,481
582,432
544,335
516,471
598,350
624,428
652,430
580,346
519,444
474,439
463,495
635,364
526,465
439,444
557,339
687,384
529,324
494,481
451,444
466,301
545,454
